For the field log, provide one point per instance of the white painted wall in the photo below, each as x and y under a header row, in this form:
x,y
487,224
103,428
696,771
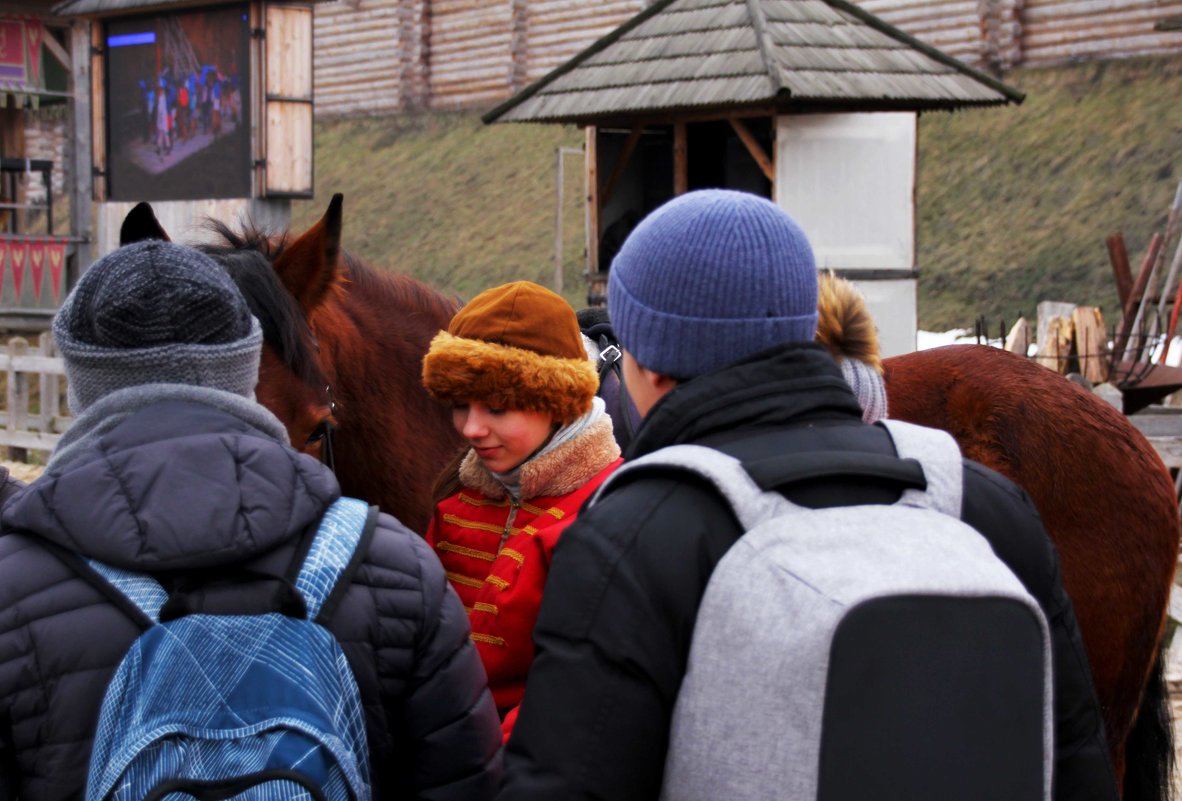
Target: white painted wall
x,y
849,180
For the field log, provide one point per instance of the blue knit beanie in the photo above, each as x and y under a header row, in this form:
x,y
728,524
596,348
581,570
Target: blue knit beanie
x,y
709,278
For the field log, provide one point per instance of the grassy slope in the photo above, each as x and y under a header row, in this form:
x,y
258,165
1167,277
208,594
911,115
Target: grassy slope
x,y
1013,203
459,204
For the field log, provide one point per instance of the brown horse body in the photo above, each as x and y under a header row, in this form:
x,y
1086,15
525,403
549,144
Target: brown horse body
x,y
1103,493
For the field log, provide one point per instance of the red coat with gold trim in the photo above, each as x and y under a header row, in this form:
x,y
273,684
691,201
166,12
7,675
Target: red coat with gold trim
x,y
496,551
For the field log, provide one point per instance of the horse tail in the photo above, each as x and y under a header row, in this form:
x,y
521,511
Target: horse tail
x,y
1149,749
844,324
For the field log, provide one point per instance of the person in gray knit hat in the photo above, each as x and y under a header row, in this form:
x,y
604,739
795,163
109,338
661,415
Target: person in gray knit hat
x,y
171,469
156,313
714,298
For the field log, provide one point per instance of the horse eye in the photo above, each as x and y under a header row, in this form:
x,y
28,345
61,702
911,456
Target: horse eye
x,y
319,433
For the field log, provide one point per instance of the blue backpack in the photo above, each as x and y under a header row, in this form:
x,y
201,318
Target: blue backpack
x,y
257,706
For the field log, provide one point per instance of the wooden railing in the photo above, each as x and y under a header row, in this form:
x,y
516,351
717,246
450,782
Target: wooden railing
x,y
33,417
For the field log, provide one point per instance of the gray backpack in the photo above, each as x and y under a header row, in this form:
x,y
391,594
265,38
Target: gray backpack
x,y
860,652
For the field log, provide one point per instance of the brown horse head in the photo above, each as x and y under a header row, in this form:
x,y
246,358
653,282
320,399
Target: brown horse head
x,y
343,358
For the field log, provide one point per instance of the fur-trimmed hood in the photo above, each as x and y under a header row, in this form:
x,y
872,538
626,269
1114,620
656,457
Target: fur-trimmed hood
x,y
558,472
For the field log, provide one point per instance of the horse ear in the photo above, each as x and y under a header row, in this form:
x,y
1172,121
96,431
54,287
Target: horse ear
x,y
141,224
308,266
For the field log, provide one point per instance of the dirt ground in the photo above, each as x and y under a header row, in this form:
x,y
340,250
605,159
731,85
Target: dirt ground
x,y
25,472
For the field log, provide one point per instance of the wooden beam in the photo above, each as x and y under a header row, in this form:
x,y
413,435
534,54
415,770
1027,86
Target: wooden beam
x,y
748,140
621,162
680,160
55,49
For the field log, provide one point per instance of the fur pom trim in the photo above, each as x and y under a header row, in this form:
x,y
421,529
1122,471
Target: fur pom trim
x,y
458,369
844,325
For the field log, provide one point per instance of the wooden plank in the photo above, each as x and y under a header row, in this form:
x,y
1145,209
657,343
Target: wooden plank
x,y
17,396
98,131
1018,339
289,148
1091,343
32,363
288,107
1118,257
289,51
591,156
1054,335
1130,307
753,147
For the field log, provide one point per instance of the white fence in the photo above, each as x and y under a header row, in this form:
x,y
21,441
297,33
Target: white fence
x,y
33,417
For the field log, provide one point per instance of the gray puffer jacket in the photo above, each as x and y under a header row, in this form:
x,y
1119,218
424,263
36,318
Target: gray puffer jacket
x,y
190,493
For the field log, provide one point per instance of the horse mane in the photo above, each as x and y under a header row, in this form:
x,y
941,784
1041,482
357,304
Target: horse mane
x,y
397,290
246,257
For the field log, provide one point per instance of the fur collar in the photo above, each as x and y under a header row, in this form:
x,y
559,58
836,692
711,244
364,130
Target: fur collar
x,y
559,472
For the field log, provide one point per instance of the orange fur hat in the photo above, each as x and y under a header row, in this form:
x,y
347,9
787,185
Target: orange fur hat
x,y
516,346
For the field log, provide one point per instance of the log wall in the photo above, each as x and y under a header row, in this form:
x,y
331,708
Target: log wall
x,y
383,56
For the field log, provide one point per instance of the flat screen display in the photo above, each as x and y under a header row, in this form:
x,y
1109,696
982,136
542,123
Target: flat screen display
x,y
178,105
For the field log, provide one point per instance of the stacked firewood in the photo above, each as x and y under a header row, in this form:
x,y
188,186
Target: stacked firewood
x,y
1069,339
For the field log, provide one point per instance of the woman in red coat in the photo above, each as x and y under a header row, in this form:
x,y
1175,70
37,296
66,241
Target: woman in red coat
x,y
512,364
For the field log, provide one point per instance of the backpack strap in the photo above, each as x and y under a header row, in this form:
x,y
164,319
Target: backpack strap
x,y
928,469
337,550
140,595
751,504
942,464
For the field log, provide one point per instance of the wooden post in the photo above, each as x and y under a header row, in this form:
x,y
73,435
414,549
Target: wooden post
x,y
680,160
558,186
98,131
17,396
78,152
591,155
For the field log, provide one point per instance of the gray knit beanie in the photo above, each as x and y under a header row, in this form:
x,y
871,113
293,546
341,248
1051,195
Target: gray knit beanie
x,y
709,278
156,313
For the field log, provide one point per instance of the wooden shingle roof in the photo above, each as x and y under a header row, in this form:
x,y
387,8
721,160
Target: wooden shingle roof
x,y
686,55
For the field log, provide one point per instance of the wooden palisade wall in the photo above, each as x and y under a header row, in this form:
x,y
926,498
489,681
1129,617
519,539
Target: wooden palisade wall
x,y
382,56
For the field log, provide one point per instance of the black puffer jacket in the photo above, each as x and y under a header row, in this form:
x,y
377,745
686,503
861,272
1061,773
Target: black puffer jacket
x,y
180,486
618,614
